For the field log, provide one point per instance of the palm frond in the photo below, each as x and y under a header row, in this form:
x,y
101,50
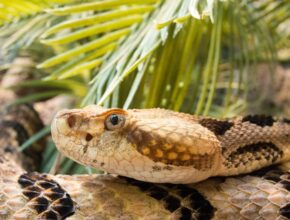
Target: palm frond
x,y
22,23
139,47
11,10
104,29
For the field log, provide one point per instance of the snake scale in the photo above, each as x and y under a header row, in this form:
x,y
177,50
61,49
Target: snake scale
x,y
30,195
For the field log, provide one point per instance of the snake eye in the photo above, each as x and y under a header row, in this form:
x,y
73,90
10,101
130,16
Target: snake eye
x,y
114,121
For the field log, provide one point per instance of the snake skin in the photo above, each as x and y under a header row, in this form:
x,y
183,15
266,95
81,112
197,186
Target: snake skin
x,y
30,195
108,197
162,146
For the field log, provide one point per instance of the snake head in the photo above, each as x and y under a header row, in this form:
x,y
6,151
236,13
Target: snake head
x,y
153,145
92,132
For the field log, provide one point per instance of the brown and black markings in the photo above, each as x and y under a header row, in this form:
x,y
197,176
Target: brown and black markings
x,y
218,127
286,120
46,196
281,178
285,211
284,180
18,123
254,152
260,120
182,201
24,114
12,135
17,128
159,149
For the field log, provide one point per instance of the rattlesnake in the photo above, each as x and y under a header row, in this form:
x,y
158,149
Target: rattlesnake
x,y
262,195
163,146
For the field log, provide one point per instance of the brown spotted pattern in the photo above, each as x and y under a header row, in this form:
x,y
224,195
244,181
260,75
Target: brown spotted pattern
x,y
254,153
245,133
170,143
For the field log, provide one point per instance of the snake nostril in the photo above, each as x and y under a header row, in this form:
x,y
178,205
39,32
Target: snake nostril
x,y
71,120
89,137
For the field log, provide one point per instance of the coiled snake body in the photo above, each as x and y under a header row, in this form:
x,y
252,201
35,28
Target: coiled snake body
x,y
261,195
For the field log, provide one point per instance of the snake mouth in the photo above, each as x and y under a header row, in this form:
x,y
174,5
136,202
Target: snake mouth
x,y
64,127
67,141
77,134
60,131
